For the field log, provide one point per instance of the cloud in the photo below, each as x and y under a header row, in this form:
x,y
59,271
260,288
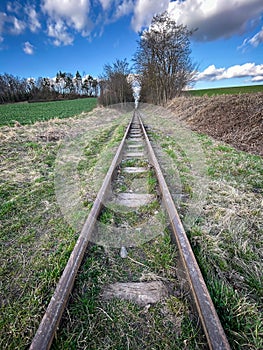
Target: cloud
x,y
33,21
2,21
28,48
251,70
18,25
254,41
216,18
105,4
258,79
73,14
58,31
65,18
124,8
144,11
14,6
257,39
11,24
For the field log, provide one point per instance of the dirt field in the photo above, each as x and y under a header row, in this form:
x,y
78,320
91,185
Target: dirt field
x,y
235,119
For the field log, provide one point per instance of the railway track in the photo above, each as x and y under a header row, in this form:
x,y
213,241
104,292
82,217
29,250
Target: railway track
x,y
134,156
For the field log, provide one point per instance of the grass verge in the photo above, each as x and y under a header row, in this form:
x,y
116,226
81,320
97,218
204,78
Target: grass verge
x,y
227,235
36,240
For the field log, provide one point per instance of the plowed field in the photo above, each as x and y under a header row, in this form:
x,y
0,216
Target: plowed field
x,y
234,119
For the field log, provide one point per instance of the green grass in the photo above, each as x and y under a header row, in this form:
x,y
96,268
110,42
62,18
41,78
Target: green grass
x,y
35,239
36,242
226,90
227,237
29,113
93,323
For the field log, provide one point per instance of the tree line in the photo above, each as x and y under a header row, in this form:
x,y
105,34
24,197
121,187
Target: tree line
x,y
162,66
63,86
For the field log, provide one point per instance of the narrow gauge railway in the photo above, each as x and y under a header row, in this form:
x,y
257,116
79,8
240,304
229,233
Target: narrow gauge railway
x,y
134,155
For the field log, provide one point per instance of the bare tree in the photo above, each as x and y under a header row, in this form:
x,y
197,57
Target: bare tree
x,y
114,84
163,60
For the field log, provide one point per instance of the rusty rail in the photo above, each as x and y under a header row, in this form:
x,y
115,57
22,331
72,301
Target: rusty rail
x,y
212,327
49,324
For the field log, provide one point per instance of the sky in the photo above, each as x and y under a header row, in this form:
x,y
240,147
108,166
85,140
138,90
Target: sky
x,y
42,37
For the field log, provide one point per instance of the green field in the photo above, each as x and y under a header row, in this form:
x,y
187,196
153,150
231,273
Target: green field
x,y
29,113
227,90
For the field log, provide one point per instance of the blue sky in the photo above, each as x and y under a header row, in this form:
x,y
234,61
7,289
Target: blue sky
x,y
41,37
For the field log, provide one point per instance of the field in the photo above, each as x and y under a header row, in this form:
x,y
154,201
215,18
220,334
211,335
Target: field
x,y
29,113
227,90
219,200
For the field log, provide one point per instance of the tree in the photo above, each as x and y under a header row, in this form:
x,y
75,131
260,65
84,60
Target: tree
x,y
114,84
78,82
163,60
60,82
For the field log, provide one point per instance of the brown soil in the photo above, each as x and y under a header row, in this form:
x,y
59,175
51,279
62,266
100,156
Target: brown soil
x,y
234,119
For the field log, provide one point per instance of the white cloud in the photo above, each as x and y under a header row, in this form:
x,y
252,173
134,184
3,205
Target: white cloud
x,y
58,31
2,21
255,72
124,8
144,11
259,78
216,18
210,73
256,40
18,26
28,48
105,4
34,23
14,6
74,14
11,24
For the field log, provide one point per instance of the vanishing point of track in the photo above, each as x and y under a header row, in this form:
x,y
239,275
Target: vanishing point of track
x,y
139,146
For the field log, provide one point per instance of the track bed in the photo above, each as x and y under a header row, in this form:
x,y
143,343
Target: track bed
x,y
132,281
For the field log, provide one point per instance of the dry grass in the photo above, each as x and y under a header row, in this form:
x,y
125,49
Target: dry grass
x,y
235,119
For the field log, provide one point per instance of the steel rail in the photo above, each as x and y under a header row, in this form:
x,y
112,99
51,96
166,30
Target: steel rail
x,y
50,321
212,327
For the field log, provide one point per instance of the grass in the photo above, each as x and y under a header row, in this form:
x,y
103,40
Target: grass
x,y
226,90
35,239
226,238
226,233
94,323
29,113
